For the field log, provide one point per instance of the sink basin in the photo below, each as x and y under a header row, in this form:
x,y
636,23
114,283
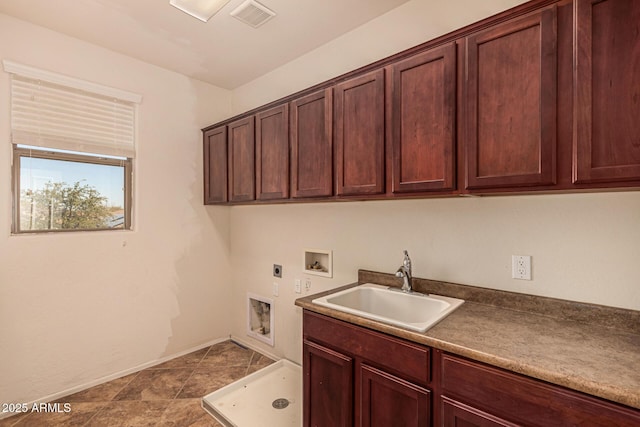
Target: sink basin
x,y
414,311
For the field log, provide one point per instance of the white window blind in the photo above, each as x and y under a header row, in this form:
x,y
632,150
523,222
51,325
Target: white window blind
x,y
48,114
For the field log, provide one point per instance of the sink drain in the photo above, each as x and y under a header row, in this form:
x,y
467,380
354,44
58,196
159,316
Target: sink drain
x,y
280,403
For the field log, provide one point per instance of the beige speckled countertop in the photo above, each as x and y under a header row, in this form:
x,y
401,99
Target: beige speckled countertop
x,y
589,348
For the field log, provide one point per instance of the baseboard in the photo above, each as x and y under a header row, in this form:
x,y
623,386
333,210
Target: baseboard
x,y
254,348
115,376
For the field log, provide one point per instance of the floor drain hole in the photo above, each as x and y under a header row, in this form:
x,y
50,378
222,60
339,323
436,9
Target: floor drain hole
x,y
280,403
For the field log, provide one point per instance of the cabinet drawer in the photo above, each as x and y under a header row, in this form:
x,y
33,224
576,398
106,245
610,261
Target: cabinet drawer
x,y
402,358
527,401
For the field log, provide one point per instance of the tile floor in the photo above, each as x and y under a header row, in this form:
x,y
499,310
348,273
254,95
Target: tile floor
x,y
168,394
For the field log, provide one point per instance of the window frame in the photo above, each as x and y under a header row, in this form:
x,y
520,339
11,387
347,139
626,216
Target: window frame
x,y
43,153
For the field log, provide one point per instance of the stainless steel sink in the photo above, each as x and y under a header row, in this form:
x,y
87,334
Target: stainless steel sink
x,y
414,311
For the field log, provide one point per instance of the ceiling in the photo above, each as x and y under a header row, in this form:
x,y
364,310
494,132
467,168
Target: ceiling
x,y
224,51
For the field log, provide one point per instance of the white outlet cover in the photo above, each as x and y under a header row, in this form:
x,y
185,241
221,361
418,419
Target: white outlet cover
x,y
521,267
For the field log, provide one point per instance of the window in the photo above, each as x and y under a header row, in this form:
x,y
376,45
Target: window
x,y
73,149
70,191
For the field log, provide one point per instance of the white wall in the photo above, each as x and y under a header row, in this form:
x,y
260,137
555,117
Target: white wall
x,y
81,306
584,246
408,25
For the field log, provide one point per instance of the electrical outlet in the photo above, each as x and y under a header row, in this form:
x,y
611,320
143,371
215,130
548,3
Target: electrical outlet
x,y
276,290
298,286
277,270
521,267
307,284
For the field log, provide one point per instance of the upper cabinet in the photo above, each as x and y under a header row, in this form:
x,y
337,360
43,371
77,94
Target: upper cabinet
x,y
423,121
215,166
543,97
242,160
511,91
607,91
272,153
311,132
360,136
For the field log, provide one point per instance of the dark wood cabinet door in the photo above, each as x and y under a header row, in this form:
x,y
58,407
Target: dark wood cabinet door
x,y
242,160
272,153
359,123
215,165
328,387
312,145
526,401
456,414
511,96
423,119
387,400
607,91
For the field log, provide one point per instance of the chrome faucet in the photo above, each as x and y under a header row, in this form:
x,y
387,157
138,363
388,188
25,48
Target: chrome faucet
x,y
405,272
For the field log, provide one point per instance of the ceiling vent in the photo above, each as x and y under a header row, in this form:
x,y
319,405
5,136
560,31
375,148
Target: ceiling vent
x,y
253,13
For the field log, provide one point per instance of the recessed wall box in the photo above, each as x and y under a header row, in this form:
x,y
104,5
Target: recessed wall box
x,y
260,321
318,262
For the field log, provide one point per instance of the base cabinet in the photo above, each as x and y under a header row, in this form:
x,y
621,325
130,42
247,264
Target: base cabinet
x,y
475,394
328,387
461,415
354,376
386,400
358,377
